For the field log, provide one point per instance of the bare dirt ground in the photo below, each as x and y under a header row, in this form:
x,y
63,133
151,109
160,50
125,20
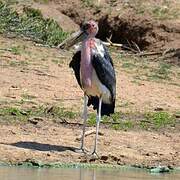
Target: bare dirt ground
x,y
49,142
32,76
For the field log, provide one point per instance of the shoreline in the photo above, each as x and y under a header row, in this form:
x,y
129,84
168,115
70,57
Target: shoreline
x,y
37,164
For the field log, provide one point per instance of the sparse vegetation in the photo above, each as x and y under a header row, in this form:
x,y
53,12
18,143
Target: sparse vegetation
x,y
88,3
30,24
160,119
143,69
123,125
16,50
12,114
117,121
161,72
91,120
165,12
42,1
60,112
162,11
150,120
28,96
18,63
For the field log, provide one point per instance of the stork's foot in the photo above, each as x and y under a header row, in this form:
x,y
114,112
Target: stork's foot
x,y
82,150
95,155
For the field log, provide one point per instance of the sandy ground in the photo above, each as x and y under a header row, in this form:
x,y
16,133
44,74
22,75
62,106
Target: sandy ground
x,y
49,142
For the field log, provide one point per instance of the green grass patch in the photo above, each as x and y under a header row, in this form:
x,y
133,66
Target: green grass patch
x,y
42,1
144,124
13,114
60,112
117,121
163,71
28,96
114,121
128,65
144,70
18,63
88,3
30,24
123,125
91,119
160,119
149,120
16,50
165,12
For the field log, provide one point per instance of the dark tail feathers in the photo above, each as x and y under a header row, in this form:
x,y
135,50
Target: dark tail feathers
x,y
106,109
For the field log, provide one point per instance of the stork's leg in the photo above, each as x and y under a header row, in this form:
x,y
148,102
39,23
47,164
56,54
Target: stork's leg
x,y
84,123
98,119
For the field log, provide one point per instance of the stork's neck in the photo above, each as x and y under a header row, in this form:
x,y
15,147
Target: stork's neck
x,y
86,64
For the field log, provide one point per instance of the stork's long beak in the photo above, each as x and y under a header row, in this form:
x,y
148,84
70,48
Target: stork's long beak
x,y
73,39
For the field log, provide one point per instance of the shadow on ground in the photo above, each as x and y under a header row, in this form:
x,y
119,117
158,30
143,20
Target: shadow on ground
x,y
42,147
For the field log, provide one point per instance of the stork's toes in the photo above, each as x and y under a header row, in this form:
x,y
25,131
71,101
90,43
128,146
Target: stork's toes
x,y
82,150
95,155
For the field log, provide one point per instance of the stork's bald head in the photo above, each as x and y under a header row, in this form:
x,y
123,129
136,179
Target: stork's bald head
x,y
90,28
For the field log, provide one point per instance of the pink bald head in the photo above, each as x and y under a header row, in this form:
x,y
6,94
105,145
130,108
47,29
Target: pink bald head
x,y
91,28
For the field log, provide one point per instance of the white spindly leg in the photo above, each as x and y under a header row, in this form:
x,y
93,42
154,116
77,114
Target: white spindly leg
x,y
98,119
84,123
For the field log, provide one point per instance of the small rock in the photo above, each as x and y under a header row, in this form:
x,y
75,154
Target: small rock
x,y
32,121
177,116
107,143
11,131
104,158
158,109
147,154
14,87
160,169
114,158
35,120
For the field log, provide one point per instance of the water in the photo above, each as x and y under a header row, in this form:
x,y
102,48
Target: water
x,y
19,173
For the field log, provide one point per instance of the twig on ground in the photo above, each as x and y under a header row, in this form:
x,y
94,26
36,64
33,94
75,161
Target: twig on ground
x,y
87,133
5,49
45,45
5,56
112,44
137,47
41,73
109,43
149,53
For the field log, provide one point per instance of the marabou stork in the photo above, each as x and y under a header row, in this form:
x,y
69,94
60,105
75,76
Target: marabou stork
x,y
94,71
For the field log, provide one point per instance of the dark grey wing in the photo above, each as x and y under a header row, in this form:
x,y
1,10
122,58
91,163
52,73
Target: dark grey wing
x,y
106,55
105,71
75,65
